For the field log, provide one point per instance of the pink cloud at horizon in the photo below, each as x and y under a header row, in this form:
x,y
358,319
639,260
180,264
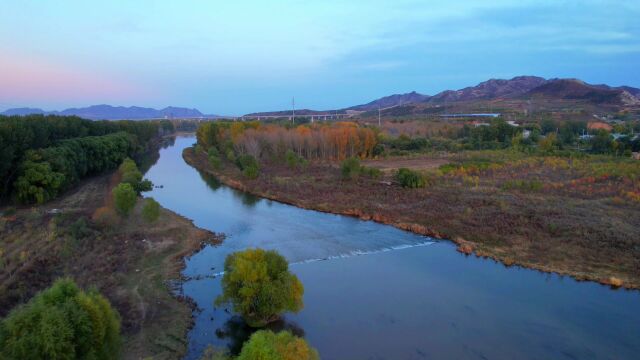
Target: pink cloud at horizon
x,y
33,81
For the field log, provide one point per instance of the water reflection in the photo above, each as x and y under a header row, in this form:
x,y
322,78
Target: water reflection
x,y
148,159
211,181
245,198
235,331
168,142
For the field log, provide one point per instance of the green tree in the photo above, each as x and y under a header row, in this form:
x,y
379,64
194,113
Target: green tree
x,y
208,134
38,182
131,175
517,142
291,158
213,151
127,166
231,156
125,198
62,322
214,158
409,178
143,186
249,166
245,161
215,162
251,172
547,126
548,144
350,168
150,210
259,286
602,142
266,345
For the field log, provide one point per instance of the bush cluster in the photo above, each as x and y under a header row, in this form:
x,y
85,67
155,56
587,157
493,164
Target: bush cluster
x,y
124,198
350,168
150,210
214,158
249,166
410,179
62,322
267,345
293,160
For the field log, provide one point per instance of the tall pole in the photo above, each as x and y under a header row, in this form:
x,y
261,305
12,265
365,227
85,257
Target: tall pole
x,y
445,106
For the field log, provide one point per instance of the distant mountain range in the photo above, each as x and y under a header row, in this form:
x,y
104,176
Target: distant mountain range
x,y
513,93
108,112
521,92
391,100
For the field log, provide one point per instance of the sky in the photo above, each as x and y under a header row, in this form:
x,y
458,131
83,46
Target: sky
x,y
236,57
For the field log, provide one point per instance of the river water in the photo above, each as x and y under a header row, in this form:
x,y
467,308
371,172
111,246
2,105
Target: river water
x,y
376,292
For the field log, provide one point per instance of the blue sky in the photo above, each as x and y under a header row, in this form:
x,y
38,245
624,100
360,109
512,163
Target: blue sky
x,y
234,57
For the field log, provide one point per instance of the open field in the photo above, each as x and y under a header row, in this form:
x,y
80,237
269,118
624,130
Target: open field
x,y
128,260
575,216
418,163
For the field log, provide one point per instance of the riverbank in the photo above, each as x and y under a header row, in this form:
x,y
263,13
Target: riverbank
x,y
135,264
584,238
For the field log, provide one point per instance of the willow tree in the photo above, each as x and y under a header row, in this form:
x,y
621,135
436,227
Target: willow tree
x,y
259,286
267,345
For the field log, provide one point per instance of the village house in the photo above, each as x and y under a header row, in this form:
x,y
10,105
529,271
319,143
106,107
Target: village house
x,y
598,125
477,123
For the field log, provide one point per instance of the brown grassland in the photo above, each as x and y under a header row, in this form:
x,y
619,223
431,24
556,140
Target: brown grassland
x,y
131,262
573,216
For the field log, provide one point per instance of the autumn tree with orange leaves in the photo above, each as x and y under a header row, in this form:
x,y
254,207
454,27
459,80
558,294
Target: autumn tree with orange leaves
x,y
337,141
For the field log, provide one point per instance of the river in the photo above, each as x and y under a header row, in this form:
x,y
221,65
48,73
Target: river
x,y
375,292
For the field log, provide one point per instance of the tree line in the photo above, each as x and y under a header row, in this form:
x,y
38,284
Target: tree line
x,y
498,134
43,155
337,141
44,173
